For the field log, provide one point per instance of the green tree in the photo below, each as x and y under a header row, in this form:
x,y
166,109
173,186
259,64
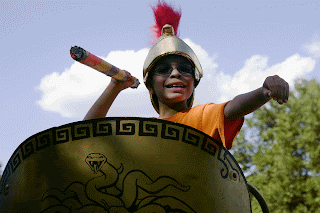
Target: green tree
x,y
279,147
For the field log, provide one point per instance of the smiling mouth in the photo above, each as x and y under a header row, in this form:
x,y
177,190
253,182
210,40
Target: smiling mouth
x,y
175,86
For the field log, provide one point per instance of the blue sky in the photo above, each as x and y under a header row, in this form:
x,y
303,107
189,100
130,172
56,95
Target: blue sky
x,y
238,43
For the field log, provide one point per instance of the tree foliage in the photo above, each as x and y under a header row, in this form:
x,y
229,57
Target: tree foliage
x,y
280,147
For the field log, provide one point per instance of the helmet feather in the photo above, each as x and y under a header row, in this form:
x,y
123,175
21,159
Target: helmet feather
x,y
164,14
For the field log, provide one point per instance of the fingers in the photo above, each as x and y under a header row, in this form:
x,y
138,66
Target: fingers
x,y
127,73
266,92
131,80
279,88
287,92
279,92
129,76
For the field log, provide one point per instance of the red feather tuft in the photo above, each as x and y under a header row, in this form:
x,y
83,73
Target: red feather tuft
x,y
164,14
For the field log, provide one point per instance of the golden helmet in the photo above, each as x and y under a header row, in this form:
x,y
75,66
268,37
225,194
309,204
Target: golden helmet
x,y
168,43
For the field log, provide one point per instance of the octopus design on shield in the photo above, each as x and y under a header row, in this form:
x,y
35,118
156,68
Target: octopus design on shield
x,y
101,194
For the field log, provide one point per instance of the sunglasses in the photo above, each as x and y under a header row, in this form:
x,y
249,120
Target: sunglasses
x,y
167,70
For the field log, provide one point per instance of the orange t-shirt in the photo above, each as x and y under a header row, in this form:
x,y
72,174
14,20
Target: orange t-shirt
x,y
209,118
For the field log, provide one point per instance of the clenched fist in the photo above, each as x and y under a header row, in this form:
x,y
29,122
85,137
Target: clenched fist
x,y
276,88
121,85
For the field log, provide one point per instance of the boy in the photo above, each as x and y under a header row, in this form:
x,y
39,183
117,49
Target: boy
x,y
171,73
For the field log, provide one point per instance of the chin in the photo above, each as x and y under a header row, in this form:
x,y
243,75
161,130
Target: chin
x,y
176,100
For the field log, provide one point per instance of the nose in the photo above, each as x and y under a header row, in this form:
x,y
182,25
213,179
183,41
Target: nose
x,y
175,73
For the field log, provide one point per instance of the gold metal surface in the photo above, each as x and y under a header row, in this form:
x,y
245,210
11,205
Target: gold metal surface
x,y
167,30
123,165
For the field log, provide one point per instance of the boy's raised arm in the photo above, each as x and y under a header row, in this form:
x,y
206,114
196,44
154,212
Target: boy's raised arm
x,y
101,107
273,87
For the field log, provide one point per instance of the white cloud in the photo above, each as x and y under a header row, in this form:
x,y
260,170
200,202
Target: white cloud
x,y
207,63
207,90
73,92
293,67
313,48
256,70
129,60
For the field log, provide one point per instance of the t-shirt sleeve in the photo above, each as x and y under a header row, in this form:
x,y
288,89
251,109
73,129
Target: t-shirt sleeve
x,y
215,124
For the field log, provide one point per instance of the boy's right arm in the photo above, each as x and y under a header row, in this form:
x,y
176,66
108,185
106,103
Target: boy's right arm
x,y
101,107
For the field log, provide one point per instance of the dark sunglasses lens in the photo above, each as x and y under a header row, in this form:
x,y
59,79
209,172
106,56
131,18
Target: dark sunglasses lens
x,y
165,70
162,70
185,70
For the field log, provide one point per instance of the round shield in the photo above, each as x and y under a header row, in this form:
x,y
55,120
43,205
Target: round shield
x,y
123,165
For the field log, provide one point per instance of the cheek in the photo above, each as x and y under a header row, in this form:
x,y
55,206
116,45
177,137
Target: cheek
x,y
192,84
155,84
151,82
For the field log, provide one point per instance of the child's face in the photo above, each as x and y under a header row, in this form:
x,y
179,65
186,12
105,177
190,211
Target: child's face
x,y
173,79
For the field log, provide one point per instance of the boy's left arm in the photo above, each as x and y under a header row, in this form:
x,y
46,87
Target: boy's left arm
x,y
273,87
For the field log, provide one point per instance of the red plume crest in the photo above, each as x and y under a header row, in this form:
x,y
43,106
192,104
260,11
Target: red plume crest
x,y
164,14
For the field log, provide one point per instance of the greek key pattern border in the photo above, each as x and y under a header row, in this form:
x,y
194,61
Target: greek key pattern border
x,y
117,126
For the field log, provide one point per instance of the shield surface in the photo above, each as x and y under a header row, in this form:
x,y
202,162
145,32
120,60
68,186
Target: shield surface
x,y
123,165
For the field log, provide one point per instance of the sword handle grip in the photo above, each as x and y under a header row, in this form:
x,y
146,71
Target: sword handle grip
x,y
87,58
